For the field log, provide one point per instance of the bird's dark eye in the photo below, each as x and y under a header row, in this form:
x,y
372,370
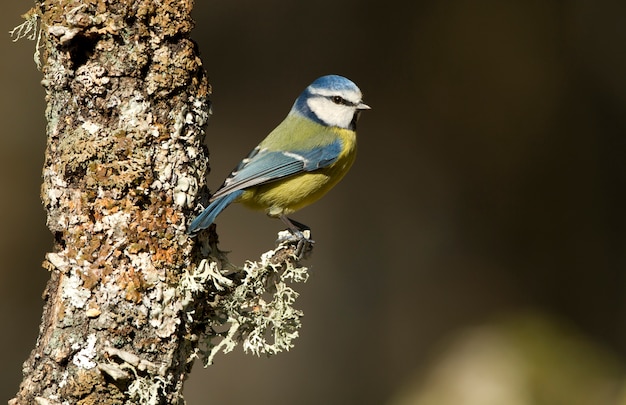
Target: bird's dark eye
x,y
338,100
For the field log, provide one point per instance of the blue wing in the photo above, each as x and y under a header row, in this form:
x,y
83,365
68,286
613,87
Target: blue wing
x,y
264,166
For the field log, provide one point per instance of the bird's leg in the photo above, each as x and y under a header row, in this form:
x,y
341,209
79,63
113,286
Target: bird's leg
x,y
298,230
294,225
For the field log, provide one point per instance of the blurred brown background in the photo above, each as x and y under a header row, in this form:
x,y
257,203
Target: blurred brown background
x,y
490,185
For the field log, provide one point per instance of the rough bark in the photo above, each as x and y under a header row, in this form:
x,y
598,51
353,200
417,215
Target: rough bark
x,y
127,101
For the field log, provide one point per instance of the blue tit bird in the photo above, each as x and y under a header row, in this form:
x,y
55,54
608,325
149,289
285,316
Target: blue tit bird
x,y
300,160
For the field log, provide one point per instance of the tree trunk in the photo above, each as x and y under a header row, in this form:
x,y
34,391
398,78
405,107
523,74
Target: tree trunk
x,y
133,300
127,101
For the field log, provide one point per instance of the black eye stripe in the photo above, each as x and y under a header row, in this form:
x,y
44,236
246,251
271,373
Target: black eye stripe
x,y
340,100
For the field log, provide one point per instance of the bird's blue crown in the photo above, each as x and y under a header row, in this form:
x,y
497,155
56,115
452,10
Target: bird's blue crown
x,y
326,84
334,82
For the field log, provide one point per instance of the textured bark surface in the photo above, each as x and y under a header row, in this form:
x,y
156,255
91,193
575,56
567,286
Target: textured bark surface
x,y
127,101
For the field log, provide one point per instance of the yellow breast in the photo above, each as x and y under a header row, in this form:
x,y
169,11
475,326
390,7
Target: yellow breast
x,y
295,192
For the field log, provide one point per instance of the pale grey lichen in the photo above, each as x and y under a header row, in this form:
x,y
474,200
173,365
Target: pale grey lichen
x,y
134,362
185,191
30,29
149,380
164,309
57,261
27,29
115,371
135,113
206,274
147,390
90,127
256,310
74,293
84,358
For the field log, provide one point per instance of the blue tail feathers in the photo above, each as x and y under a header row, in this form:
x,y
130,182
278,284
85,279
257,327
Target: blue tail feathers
x,y
206,217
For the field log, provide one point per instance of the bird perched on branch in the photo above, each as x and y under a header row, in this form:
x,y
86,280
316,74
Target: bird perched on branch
x,y
300,160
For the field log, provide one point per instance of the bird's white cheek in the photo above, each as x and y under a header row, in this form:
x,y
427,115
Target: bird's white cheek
x,y
330,113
